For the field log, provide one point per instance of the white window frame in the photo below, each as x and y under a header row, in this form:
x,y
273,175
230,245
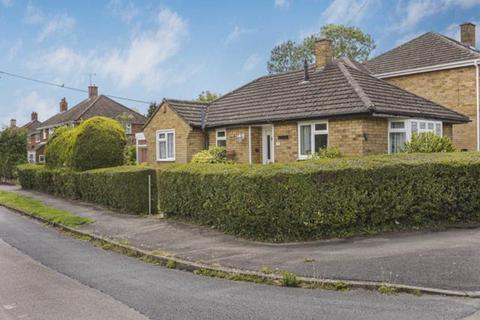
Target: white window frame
x,y
44,132
217,138
157,140
128,128
41,158
313,132
38,138
407,129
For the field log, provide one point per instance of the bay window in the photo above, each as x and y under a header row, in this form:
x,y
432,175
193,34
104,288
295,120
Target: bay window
x,y
401,131
166,145
312,137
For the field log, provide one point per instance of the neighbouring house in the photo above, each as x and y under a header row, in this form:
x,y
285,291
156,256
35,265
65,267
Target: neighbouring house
x,y
289,116
442,70
94,105
33,139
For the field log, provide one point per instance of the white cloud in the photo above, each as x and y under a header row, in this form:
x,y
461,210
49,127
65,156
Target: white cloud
x,y
236,33
125,10
49,24
252,62
282,3
347,11
25,104
141,61
416,10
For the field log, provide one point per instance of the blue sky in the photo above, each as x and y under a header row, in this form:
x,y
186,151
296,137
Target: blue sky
x,y
148,50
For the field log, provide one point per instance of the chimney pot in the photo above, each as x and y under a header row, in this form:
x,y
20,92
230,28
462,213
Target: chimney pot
x,y
323,52
92,92
13,123
34,116
467,34
63,105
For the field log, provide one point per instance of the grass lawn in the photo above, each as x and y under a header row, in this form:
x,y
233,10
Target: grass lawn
x,y
37,208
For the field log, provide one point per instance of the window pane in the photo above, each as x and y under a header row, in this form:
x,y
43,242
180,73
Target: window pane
x,y
397,141
438,129
320,127
430,126
320,141
397,125
414,126
222,143
161,136
422,125
220,134
162,152
170,151
305,137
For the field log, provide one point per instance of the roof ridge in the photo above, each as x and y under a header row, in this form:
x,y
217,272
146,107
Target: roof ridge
x,y
188,101
123,106
88,108
456,42
356,87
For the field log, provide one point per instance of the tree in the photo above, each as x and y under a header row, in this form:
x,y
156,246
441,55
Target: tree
x,y
348,42
151,109
207,96
13,151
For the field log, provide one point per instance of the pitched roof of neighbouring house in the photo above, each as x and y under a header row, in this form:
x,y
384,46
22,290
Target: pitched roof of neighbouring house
x,y
190,111
338,89
427,50
99,106
32,125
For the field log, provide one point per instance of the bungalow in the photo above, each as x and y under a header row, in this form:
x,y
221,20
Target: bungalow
x,y
94,105
440,69
289,116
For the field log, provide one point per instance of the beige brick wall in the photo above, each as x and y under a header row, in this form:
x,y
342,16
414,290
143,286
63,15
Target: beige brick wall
x,y
188,141
448,130
286,150
453,88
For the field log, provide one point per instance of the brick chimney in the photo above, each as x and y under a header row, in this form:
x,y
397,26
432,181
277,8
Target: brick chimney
x,y
467,34
13,123
34,116
92,92
63,105
323,52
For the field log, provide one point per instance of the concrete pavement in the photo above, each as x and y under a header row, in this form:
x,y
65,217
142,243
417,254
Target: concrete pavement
x,y
161,293
444,260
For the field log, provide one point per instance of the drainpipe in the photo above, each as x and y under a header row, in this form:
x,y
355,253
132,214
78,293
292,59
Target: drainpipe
x,y
203,124
477,66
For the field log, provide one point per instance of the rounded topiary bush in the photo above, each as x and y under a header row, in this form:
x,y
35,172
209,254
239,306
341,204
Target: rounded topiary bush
x,y
99,143
58,151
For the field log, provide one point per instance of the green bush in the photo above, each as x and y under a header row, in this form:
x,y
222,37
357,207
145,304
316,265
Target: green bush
x,y
99,143
325,198
428,143
122,188
212,155
326,153
58,150
289,279
130,155
13,151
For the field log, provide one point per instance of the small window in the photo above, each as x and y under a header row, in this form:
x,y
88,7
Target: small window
x,y
37,138
414,127
128,128
221,138
397,125
166,145
44,134
312,138
438,129
41,158
423,125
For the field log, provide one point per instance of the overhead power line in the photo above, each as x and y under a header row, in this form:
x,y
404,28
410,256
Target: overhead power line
x,y
63,86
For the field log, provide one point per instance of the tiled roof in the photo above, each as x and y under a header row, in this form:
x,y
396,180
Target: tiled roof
x,y
338,89
191,111
32,125
427,50
99,106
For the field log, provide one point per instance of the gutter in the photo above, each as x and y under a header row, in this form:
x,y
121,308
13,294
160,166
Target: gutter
x,y
477,67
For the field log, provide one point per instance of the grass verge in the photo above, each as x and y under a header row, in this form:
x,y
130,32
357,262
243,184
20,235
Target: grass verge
x,y
37,208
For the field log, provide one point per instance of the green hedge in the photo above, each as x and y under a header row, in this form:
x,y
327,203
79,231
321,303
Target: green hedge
x,y
122,188
325,198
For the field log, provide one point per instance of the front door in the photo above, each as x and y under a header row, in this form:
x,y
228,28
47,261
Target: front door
x,y
267,145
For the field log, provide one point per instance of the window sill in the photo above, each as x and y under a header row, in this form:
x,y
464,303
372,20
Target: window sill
x,y
165,160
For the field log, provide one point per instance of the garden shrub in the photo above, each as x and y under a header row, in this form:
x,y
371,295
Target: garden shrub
x,y
13,151
325,198
130,155
99,143
326,153
213,155
58,150
428,142
122,188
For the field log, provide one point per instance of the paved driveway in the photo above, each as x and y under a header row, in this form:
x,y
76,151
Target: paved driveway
x,y
445,260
